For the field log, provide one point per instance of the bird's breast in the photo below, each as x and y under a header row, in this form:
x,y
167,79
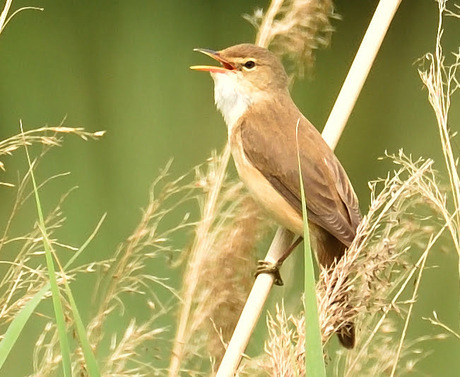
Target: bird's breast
x,y
261,189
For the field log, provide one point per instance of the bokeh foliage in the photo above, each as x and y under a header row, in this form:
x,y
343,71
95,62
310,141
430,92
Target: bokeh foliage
x,y
123,67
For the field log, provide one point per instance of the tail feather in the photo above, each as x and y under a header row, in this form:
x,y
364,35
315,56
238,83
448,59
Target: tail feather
x,y
329,250
346,335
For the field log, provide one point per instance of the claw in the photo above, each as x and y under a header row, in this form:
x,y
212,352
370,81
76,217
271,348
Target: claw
x,y
264,267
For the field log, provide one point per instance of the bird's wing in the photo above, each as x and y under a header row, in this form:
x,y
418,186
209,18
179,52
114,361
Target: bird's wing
x,y
331,200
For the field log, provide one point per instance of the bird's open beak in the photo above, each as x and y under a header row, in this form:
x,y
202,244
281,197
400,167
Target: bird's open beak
x,y
226,66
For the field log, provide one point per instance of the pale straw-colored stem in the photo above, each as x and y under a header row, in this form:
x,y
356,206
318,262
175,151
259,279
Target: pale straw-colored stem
x,y
412,301
332,132
4,14
254,305
195,263
359,70
417,267
265,35
4,19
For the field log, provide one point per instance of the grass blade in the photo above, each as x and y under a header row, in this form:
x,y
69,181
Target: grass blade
x,y
90,361
314,361
18,323
21,318
57,303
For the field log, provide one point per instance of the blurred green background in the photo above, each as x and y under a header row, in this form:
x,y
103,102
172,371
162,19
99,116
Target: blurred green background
x,y
123,67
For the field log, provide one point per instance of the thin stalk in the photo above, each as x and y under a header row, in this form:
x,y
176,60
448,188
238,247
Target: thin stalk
x,y
4,14
22,317
263,36
440,90
252,309
57,303
359,70
91,365
203,230
411,307
365,346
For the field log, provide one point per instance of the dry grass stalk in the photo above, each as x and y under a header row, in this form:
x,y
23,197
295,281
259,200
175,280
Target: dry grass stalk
x,y
383,270
47,136
125,273
295,28
5,17
379,250
442,82
26,275
125,358
120,277
375,271
227,275
285,355
219,269
285,347
214,184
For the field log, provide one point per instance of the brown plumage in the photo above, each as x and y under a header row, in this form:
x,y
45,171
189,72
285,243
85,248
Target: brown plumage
x,y
332,206
266,129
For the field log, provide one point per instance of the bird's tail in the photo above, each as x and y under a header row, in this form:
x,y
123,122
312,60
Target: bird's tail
x,y
346,335
329,250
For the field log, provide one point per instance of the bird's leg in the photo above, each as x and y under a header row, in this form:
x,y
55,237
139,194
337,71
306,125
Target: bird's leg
x,y
290,249
265,267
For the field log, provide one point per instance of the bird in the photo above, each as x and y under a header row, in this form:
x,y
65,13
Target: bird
x,y
269,139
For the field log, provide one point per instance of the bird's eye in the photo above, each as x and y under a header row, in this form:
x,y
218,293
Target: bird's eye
x,y
250,64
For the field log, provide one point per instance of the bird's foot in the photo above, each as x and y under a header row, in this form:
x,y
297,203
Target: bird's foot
x,y
265,267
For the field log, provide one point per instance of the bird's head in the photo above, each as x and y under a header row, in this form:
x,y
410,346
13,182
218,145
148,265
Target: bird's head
x,y
247,74
252,66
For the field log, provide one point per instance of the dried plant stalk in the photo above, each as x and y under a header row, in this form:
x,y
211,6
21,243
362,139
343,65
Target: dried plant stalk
x,y
442,82
4,18
25,275
381,241
373,273
47,136
220,266
227,276
359,70
125,274
196,258
285,347
295,28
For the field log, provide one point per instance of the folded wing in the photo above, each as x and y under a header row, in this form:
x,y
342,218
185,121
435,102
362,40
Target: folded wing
x,y
331,200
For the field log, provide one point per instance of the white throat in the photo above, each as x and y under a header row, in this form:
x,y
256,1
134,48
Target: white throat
x,y
230,97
